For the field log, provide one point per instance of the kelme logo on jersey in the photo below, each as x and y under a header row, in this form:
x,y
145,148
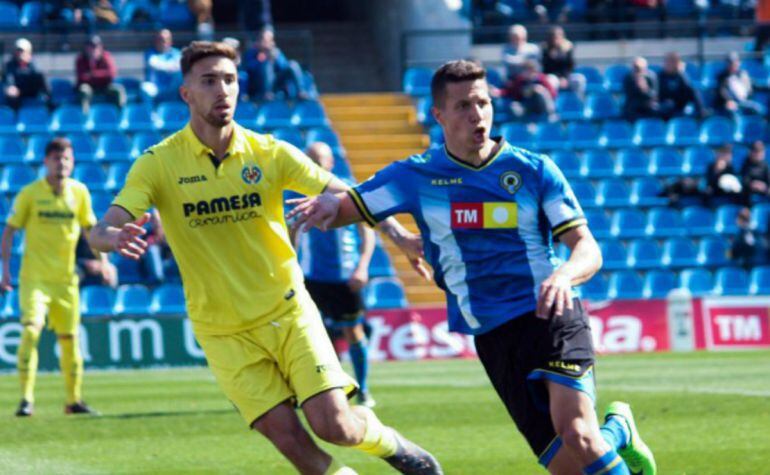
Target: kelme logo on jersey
x,y
511,182
251,174
493,215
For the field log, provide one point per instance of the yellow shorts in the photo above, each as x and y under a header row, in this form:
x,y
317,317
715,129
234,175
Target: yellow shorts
x,y
290,358
60,302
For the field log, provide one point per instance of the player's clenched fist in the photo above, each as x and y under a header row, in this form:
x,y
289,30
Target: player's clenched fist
x,y
128,241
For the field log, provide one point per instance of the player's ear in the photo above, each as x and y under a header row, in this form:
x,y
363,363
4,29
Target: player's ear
x,y
183,92
437,114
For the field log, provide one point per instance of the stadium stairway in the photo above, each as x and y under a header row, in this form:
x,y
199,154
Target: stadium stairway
x,y
375,130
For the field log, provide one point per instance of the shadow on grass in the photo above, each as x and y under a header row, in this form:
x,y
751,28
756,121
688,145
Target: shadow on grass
x,y
148,415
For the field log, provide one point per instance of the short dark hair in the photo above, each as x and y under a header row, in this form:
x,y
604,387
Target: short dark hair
x,y
198,50
58,145
453,72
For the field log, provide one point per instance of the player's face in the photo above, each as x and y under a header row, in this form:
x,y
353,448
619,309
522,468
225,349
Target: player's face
x,y
211,90
466,115
59,164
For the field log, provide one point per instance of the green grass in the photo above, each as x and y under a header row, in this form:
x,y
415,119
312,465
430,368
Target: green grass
x,y
704,413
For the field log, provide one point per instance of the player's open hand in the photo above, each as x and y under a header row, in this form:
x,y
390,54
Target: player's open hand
x,y
411,245
317,211
128,242
555,296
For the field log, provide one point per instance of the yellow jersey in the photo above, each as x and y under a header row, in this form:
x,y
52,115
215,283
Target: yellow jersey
x,y
225,223
52,226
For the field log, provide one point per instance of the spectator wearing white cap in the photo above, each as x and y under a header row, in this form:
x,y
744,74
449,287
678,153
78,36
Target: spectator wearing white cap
x,y
22,82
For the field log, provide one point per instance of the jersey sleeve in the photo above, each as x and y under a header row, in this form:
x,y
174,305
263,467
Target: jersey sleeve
x,y
139,192
299,172
86,215
20,210
382,195
558,200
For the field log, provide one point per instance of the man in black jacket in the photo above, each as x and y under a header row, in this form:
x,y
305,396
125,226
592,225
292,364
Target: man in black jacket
x,y
675,90
21,79
755,174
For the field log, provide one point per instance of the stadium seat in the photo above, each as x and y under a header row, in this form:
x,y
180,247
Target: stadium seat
x,y
594,79
658,283
614,255
91,175
132,300
417,81
103,118
599,223
12,149
100,202
759,281
595,289
171,116
116,176
380,265
649,133
35,150
97,301
683,132
666,162
629,223
584,192
710,72
716,131
644,254
760,217
384,292
632,162
62,91
83,147
31,15
113,147
176,15
696,159
424,115
129,270
133,87
137,118
740,154
323,134
616,134
625,284
273,115
725,219
731,281
749,128
699,282
309,114
698,221
613,193
291,135
613,77
600,106
11,308
549,136
598,164
246,114
679,252
569,106
713,252
9,16
143,141
171,271
646,191
517,134
583,135
7,120
33,119
664,222
568,162
67,119
168,299
14,177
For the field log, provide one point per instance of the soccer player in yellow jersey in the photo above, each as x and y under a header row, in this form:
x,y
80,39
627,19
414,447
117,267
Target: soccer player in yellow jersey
x,y
53,211
218,188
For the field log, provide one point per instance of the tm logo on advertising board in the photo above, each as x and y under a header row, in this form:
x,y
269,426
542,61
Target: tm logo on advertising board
x,y
736,322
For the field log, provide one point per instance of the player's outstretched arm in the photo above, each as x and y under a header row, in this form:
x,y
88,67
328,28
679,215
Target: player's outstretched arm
x,y
5,254
585,261
119,232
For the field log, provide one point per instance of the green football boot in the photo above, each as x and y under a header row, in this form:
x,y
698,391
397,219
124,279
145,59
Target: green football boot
x,y
636,453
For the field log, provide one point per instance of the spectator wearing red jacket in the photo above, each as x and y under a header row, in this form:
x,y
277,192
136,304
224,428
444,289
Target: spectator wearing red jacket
x,y
532,92
96,71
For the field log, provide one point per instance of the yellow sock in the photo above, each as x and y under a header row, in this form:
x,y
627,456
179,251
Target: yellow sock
x,y
336,468
71,364
27,361
379,440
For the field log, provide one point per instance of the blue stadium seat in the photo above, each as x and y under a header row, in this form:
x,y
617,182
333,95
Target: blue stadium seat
x,y
33,119
424,115
9,16
664,222
594,79
97,301
649,132
629,223
171,270
569,106
616,134
568,162
725,219
380,265
666,161
62,91
113,147
713,252
309,114
697,158
698,221
740,154
384,292
682,132
613,193
68,118
11,308
614,255
172,116
646,191
710,72
168,299
7,120
129,270
595,289
116,176
625,284
613,77
681,8
132,300
699,282
644,254
749,128
31,15
584,192
757,72
599,223
679,252
100,202
517,134
91,175
36,147
759,281
143,141
12,149
323,134
246,114
417,81
291,135
658,283
83,147
14,177
760,217
273,115
598,164
716,131
731,281
137,118
632,162
549,136
103,118
583,135
600,106
133,87
176,15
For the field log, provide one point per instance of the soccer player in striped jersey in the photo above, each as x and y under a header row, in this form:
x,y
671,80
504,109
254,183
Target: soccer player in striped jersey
x,y
488,213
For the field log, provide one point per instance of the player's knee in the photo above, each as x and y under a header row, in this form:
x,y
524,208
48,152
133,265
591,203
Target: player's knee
x,y
577,436
337,430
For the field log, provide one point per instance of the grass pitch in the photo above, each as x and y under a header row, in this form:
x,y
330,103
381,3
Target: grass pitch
x,y
703,413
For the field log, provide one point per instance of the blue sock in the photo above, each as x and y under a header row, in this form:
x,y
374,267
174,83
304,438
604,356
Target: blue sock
x,y
615,432
359,356
608,464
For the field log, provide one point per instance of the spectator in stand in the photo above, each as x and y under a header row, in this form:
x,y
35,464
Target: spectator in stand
x,y
270,72
684,192
762,25
93,270
559,62
532,92
722,182
517,52
675,91
162,69
734,90
641,90
68,14
749,247
550,11
96,71
755,174
201,10
21,79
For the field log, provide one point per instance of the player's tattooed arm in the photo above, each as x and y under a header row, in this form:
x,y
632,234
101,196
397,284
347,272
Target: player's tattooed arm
x,y
119,232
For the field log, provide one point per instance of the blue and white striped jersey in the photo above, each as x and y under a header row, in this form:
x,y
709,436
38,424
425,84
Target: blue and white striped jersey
x,y
487,231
